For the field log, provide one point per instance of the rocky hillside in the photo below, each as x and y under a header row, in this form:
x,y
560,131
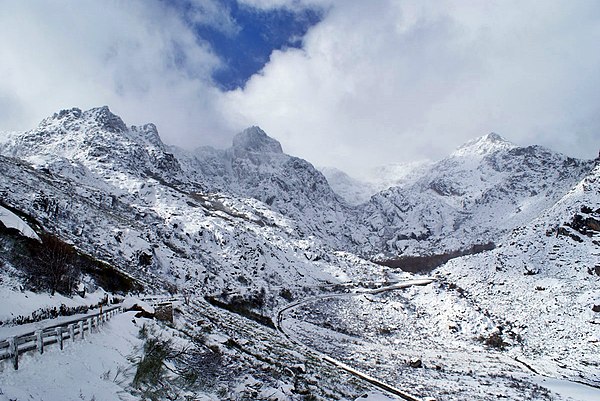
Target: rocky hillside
x,y
482,191
544,282
256,167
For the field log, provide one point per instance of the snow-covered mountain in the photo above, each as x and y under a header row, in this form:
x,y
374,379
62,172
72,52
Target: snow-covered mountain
x,y
357,191
480,192
397,174
352,190
117,193
483,190
255,166
251,221
93,144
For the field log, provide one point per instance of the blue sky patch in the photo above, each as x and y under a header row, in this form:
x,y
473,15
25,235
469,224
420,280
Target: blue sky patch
x,y
246,48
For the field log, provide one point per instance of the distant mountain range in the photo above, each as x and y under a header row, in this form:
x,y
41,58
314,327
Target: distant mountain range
x,y
479,193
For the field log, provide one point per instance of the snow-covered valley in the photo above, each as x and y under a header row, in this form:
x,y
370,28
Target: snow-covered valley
x,y
246,231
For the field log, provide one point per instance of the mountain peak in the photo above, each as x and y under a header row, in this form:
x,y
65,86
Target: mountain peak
x,y
148,133
101,117
483,145
106,119
254,139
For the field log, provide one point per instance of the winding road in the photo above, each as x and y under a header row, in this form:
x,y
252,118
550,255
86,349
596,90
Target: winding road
x,y
363,376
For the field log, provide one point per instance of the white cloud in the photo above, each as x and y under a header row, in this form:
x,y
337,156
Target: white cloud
x,y
214,14
375,82
288,4
138,57
384,81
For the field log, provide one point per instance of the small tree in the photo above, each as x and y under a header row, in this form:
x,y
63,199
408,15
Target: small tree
x,y
52,266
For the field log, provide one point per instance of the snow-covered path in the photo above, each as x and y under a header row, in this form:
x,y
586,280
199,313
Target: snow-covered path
x,y
405,395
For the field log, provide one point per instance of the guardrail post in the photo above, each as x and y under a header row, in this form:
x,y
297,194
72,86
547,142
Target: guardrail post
x,y
81,329
13,348
72,332
39,336
60,337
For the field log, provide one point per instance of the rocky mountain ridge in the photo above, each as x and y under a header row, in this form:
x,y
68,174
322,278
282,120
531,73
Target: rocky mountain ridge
x,y
256,167
479,193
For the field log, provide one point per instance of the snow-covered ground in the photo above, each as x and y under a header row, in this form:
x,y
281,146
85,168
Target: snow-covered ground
x,y
96,368
383,334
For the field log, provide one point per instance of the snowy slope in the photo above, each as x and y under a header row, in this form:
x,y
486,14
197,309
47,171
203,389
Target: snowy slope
x,y
544,282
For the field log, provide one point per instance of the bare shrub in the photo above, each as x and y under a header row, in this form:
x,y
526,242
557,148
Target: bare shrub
x,y
52,265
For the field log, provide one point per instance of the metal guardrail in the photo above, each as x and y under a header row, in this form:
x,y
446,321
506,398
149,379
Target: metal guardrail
x,y
12,347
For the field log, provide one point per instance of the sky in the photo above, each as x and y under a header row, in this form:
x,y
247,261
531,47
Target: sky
x,y
352,84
